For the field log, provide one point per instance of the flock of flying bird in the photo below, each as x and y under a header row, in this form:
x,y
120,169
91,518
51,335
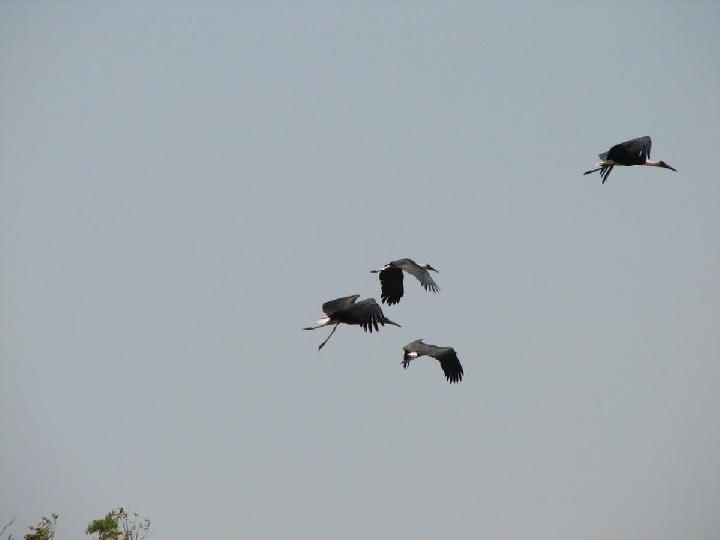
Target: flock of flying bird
x,y
368,314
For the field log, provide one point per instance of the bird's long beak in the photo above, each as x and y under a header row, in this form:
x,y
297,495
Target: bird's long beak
x,y
671,168
431,268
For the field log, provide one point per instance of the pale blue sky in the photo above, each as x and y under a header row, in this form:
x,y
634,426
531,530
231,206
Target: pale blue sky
x,y
182,184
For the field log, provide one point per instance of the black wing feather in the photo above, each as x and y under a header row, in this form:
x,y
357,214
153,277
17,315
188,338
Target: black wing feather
x,y
632,152
391,281
332,306
366,313
451,365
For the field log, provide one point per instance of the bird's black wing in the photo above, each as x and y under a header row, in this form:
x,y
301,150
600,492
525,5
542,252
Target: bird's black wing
x,y
391,282
646,146
450,364
366,313
632,152
332,306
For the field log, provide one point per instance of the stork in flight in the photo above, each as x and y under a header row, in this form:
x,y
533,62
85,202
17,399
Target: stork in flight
x,y
366,313
391,278
445,355
633,152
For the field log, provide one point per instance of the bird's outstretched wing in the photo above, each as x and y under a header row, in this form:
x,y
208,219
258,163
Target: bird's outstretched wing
x,y
391,283
450,364
632,152
642,146
366,313
332,306
423,276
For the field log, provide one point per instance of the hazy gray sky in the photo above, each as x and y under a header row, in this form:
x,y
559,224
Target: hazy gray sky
x,y
183,184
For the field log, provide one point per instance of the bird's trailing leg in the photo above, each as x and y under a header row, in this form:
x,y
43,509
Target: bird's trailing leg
x,y
320,324
328,338
593,170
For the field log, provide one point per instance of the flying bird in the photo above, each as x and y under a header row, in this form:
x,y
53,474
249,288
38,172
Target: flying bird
x,y
391,278
366,313
445,355
634,152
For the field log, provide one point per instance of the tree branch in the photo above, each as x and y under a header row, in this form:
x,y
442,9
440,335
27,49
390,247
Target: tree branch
x,y
6,526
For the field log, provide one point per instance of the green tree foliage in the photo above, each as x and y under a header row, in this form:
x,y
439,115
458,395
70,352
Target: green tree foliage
x,y
119,525
106,528
116,525
44,530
